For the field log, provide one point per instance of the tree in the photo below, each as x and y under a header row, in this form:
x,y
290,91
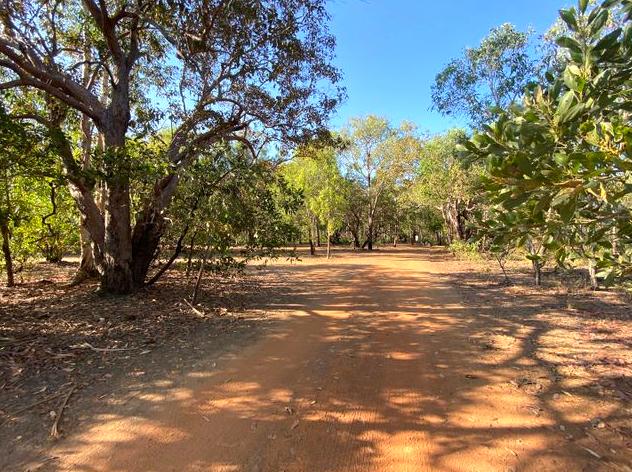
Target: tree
x,y
377,156
233,207
315,174
486,78
560,161
36,213
247,72
354,211
15,139
445,185
331,200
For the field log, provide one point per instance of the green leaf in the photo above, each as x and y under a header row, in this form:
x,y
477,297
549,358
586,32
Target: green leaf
x,y
583,4
627,35
565,202
608,40
609,3
573,78
565,105
569,18
570,44
561,159
598,21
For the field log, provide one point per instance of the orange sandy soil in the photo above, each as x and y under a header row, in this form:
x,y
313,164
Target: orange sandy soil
x,y
401,360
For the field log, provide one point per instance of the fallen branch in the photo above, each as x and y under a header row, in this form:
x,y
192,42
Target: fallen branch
x,y
195,310
32,405
54,431
100,349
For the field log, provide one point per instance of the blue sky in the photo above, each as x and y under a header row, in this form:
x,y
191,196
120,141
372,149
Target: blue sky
x,y
391,50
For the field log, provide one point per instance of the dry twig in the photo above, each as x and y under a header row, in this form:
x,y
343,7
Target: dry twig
x,y
32,405
195,310
54,431
100,349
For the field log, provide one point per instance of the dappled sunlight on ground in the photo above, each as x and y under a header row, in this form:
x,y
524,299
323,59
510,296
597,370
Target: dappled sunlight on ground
x,y
380,365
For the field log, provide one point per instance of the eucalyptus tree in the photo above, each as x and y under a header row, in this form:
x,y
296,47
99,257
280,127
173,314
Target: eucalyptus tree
x,y
445,185
377,157
214,71
487,78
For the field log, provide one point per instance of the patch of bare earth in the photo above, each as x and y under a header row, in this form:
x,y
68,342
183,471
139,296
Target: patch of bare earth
x,y
400,360
570,349
69,351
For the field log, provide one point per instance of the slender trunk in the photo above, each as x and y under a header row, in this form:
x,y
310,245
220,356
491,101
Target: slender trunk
x,y
328,245
369,236
537,273
317,233
592,274
53,252
81,190
172,259
191,248
198,282
312,231
6,251
87,265
501,262
355,234
535,263
614,239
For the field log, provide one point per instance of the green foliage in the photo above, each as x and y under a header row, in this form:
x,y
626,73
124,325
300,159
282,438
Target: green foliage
x,y
559,164
35,206
487,78
465,250
379,161
314,173
444,185
239,208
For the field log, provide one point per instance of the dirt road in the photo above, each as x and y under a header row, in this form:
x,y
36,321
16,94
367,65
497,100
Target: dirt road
x,y
375,367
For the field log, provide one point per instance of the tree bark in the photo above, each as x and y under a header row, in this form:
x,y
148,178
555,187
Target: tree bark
x,y
6,251
87,265
439,238
356,240
191,248
92,222
328,245
172,259
369,237
117,276
198,282
537,273
592,275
